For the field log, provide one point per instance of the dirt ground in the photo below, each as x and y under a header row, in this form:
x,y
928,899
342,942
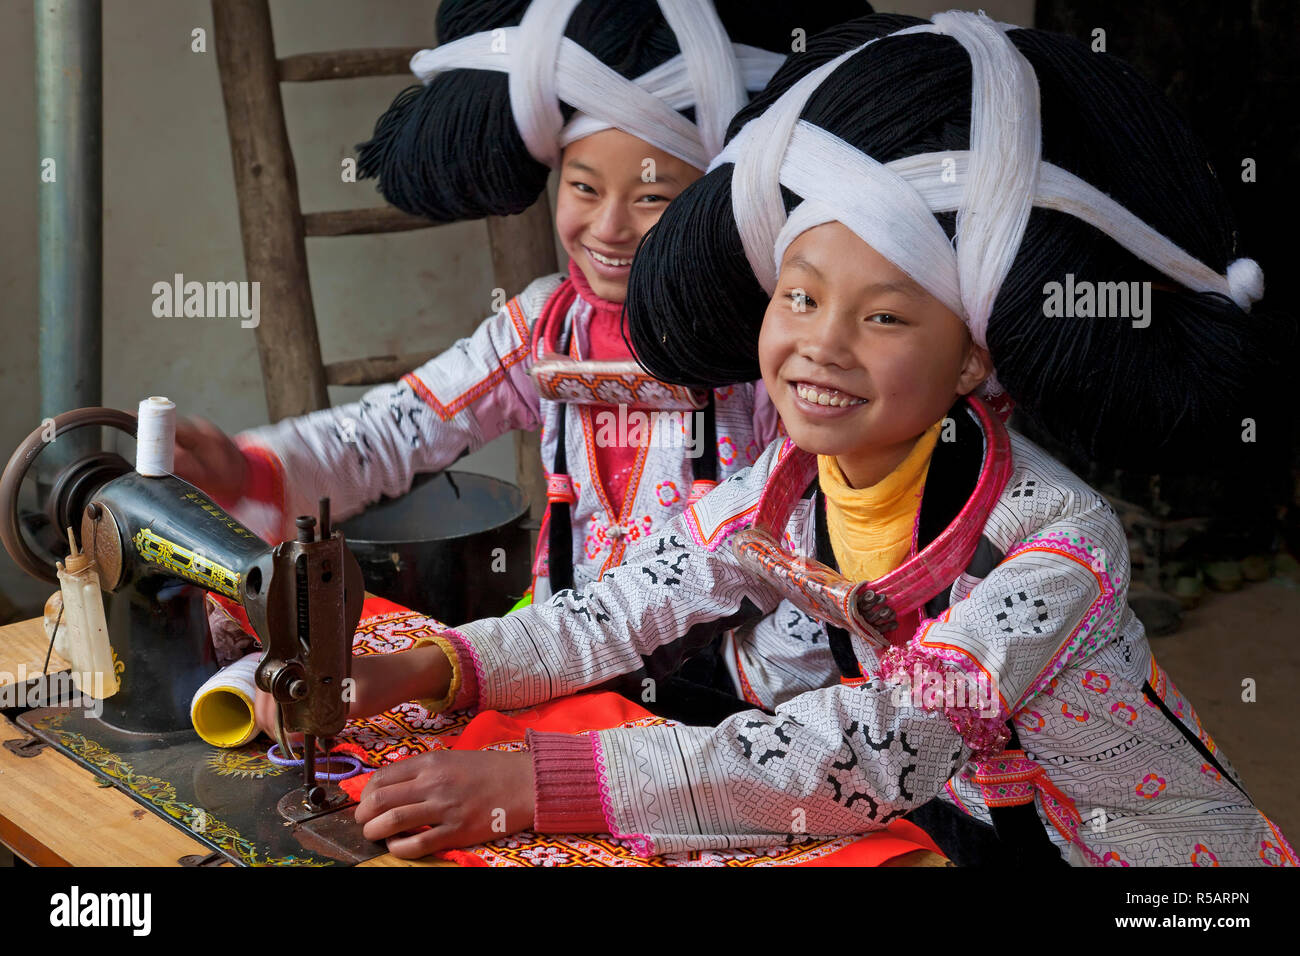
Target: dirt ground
x,y
1255,633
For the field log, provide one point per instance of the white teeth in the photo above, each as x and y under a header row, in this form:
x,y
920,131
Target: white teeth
x,y
819,396
607,260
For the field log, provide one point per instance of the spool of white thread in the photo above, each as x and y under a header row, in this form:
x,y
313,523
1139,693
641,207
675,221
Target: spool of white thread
x,y
155,437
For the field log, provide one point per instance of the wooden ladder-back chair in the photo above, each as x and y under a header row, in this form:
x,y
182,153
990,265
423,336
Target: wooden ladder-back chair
x,y
274,228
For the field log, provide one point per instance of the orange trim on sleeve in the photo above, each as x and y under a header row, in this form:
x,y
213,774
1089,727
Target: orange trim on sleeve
x,y
494,378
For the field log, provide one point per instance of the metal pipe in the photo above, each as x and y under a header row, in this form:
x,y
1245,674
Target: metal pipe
x,y
69,118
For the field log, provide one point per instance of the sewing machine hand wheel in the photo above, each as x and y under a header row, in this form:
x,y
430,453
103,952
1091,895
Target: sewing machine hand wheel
x,y
32,530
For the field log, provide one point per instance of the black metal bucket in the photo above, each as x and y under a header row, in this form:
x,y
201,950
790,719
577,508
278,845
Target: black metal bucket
x,y
455,547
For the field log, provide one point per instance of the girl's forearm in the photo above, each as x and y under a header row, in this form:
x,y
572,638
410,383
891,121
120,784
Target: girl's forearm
x,y
421,674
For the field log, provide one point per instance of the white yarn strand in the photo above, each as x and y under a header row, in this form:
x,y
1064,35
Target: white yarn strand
x,y
670,85
711,65
545,68
534,100
1005,146
1060,190
756,200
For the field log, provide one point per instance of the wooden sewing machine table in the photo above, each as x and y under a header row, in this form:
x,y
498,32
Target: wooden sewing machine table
x,y
54,812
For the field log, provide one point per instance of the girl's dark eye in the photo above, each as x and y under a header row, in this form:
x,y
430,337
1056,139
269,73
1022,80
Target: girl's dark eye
x,y
886,318
654,198
582,188
800,301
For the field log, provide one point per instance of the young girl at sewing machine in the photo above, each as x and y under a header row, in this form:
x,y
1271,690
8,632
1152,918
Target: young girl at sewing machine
x,y
629,100
995,681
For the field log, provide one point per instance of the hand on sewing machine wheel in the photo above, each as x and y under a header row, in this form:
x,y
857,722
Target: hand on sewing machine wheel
x,y
207,458
463,797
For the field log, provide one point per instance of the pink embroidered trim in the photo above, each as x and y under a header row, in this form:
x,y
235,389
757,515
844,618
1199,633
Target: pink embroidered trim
x,y
792,472
752,514
911,664
467,698
958,657
1094,623
1164,688
449,410
1286,847
956,798
916,522
1011,779
919,579
641,844
546,331
722,532
560,488
699,488
541,559
746,690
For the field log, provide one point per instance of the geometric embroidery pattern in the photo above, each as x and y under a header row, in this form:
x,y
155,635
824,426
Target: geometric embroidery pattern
x,y
1021,614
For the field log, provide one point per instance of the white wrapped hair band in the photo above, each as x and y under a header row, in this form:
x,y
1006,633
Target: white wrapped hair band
x,y
992,186
890,211
545,68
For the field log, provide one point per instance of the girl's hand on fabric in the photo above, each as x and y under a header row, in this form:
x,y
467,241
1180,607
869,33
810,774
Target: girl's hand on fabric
x,y
462,797
207,458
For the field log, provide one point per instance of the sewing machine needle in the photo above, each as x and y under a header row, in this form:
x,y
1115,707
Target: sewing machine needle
x,y
309,763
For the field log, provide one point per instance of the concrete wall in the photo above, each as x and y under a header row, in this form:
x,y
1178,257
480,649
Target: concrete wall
x,y
169,207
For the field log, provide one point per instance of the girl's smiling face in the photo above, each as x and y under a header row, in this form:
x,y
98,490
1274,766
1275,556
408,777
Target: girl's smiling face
x,y
859,359
609,198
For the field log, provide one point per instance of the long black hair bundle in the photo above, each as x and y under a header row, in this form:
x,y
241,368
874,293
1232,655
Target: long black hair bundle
x,y
449,150
1175,389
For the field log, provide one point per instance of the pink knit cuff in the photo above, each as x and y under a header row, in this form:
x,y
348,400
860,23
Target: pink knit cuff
x,y
566,791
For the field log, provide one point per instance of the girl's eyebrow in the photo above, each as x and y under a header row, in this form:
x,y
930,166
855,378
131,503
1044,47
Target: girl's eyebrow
x,y
581,167
798,261
900,286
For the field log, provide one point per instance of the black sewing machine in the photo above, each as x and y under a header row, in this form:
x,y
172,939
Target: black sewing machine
x,y
159,545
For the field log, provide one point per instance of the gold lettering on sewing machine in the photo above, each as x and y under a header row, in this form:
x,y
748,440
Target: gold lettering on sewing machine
x,y
186,563
220,515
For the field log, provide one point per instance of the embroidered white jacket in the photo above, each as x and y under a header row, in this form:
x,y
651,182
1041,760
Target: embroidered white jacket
x,y
1048,622
472,393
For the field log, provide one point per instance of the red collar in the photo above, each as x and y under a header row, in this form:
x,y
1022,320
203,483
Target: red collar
x,y
550,327
602,307
868,607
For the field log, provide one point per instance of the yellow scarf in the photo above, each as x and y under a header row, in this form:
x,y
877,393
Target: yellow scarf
x,y
871,528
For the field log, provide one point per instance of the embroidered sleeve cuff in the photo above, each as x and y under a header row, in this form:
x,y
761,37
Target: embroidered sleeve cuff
x,y
922,679
462,692
565,786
